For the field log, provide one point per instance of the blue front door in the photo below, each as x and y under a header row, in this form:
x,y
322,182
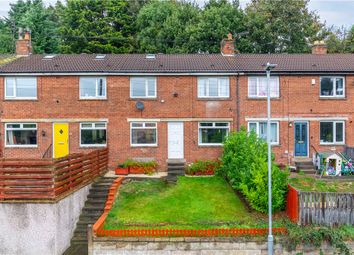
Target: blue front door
x,y
301,139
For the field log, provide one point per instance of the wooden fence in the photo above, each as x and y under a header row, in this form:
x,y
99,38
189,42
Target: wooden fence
x,y
323,208
49,179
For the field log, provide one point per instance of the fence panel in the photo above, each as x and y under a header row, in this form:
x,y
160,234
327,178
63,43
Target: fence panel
x,y
326,208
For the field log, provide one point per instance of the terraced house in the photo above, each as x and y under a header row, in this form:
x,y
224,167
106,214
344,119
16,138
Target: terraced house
x,y
173,106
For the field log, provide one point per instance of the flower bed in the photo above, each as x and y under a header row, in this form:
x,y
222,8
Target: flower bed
x,y
136,167
203,167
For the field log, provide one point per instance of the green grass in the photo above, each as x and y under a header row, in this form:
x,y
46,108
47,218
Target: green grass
x,y
198,202
311,184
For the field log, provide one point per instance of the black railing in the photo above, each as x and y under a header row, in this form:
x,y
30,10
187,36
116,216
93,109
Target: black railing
x,y
48,152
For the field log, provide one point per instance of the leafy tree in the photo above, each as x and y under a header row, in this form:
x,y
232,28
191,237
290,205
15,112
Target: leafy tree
x,y
350,41
40,20
7,42
218,18
166,26
92,26
281,26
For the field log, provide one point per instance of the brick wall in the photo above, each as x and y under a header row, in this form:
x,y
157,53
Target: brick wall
x,y
58,98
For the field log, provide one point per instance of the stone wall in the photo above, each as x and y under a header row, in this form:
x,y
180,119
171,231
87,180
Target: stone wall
x,y
194,246
40,228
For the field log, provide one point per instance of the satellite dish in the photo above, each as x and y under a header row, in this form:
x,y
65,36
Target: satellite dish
x,y
139,105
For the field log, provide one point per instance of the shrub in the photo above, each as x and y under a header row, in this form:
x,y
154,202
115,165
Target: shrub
x,y
244,164
203,167
133,163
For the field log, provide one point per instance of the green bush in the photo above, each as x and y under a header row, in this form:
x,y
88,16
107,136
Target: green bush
x,y
244,164
133,163
203,166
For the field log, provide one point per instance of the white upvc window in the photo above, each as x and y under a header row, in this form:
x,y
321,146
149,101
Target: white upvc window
x,y
332,132
21,135
93,134
332,86
143,87
212,133
21,88
93,88
257,87
143,134
213,87
260,128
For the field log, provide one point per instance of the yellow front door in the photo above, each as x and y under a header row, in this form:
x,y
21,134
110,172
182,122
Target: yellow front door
x,y
61,139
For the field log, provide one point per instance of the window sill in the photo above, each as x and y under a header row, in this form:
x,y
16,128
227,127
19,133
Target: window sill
x,y
20,99
210,145
332,144
263,98
93,99
92,146
21,146
214,99
332,98
143,99
144,145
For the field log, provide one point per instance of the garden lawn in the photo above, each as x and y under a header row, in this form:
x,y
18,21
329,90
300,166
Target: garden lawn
x,y
311,184
197,202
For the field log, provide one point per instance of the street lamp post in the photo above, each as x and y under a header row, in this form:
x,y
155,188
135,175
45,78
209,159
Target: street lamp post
x,y
269,67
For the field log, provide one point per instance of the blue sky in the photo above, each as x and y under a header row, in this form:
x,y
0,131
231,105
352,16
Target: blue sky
x,y
333,12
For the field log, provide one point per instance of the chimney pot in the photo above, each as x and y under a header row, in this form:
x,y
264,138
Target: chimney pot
x,y
228,46
319,48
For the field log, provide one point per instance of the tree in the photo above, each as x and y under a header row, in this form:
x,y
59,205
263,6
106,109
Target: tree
x,y
42,22
218,18
281,26
166,26
350,40
92,26
7,42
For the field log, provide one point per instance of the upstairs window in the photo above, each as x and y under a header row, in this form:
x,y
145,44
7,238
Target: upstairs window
x,y
213,87
143,133
21,134
92,88
257,87
332,87
213,133
93,134
143,87
20,88
260,128
332,132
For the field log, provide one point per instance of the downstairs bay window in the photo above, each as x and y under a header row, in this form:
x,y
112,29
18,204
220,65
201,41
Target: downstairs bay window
x,y
260,128
143,134
93,134
332,132
20,135
212,133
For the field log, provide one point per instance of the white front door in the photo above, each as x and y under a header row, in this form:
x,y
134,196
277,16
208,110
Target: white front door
x,y
175,140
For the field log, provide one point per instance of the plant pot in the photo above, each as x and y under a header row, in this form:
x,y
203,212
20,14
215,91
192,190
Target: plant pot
x,y
136,170
122,170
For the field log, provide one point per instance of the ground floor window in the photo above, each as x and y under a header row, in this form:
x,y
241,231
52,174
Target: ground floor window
x,y
21,134
260,128
331,132
93,134
213,133
143,133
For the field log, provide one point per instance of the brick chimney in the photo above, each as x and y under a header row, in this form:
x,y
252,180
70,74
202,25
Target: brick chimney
x,y
24,44
319,48
228,46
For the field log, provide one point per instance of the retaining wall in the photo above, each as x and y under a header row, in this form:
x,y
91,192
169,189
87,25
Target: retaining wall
x,y
40,228
195,246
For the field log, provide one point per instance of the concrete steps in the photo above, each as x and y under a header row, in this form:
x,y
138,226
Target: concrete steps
x,y
306,166
175,168
92,210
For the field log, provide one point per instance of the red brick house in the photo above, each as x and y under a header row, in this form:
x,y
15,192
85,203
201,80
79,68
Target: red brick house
x,y
173,106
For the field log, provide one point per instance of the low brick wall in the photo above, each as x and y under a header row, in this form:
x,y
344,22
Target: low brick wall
x,y
194,246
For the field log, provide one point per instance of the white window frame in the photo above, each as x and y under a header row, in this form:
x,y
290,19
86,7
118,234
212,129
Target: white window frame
x,y
207,78
258,78
257,129
200,143
146,87
143,127
333,86
15,97
20,128
96,97
93,127
334,132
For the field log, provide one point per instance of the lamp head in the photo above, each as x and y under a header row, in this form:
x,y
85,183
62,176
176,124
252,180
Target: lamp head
x,y
270,66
